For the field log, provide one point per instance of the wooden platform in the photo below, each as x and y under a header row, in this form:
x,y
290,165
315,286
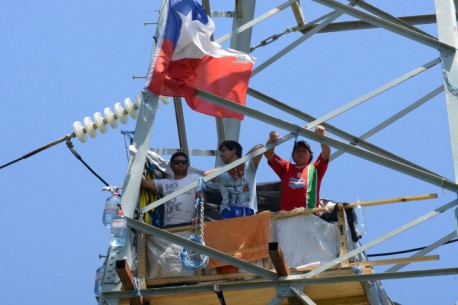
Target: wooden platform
x,y
338,293
246,288
322,294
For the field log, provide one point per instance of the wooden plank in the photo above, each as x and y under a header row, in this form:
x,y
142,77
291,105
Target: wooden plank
x,y
356,300
276,255
127,280
281,266
245,297
141,264
195,279
127,302
334,290
393,200
399,261
124,302
342,234
350,293
338,272
322,294
244,275
284,214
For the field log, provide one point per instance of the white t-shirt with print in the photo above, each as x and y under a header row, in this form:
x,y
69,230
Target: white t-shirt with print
x,y
180,209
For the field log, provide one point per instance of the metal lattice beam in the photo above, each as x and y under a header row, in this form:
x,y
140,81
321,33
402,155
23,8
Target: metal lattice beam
x,y
393,27
290,281
408,170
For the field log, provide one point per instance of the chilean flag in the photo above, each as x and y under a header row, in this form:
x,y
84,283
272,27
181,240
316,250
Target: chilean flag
x,y
185,58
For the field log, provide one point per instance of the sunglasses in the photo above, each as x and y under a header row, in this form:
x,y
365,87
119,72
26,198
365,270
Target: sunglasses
x,y
176,162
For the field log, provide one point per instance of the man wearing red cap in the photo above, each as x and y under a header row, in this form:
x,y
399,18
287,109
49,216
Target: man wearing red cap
x,y
301,181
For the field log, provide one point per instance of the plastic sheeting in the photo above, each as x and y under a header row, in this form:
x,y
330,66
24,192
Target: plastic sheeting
x,y
305,240
163,258
163,165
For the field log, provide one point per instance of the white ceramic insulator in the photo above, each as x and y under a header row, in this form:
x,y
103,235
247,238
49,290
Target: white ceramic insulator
x,y
131,108
110,117
100,122
79,131
119,110
164,99
90,128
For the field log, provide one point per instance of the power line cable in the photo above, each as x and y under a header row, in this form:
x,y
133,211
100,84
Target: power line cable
x,y
406,251
77,156
67,137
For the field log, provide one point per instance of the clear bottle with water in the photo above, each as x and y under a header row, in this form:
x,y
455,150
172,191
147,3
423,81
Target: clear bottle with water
x,y
98,280
119,230
360,219
111,206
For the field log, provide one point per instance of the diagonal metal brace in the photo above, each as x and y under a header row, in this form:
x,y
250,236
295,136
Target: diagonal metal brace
x,y
288,291
299,293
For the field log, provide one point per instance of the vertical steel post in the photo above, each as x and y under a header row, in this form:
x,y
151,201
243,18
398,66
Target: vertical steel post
x,y
131,188
446,23
177,101
244,12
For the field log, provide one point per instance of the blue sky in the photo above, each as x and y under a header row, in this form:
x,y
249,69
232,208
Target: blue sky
x,y
62,61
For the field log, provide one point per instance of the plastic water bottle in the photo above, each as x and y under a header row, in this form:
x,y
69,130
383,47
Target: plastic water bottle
x,y
119,231
111,206
98,280
360,219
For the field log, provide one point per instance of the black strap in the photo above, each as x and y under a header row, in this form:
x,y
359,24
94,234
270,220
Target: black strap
x,y
219,294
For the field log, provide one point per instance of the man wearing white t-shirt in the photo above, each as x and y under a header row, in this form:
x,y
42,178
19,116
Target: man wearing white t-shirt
x,y
179,210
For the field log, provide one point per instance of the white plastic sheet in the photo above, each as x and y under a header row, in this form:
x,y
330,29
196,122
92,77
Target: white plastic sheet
x,y
163,258
305,239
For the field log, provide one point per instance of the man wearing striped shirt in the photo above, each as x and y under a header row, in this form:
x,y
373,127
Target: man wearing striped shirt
x,y
301,180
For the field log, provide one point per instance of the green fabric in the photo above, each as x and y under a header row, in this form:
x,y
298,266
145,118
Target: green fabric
x,y
312,177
